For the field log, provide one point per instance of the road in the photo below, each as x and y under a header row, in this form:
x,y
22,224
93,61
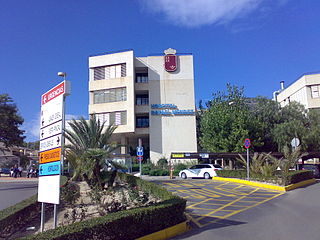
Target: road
x,y
293,215
14,191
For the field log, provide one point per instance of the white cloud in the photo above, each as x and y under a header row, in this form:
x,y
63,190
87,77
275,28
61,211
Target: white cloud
x,y
32,129
194,13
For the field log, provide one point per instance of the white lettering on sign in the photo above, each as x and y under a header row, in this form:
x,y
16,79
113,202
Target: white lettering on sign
x,y
51,130
50,143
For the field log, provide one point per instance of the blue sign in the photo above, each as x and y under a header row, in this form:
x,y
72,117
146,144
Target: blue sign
x,y
51,168
139,151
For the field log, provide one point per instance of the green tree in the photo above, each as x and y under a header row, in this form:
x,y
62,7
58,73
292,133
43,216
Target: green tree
x,y
88,150
224,125
10,121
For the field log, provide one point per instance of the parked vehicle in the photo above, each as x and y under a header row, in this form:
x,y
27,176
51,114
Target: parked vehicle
x,y
4,171
312,167
200,171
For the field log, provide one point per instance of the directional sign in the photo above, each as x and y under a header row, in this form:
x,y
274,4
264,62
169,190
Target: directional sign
x,y
50,156
247,143
61,89
51,130
139,151
51,112
50,143
52,168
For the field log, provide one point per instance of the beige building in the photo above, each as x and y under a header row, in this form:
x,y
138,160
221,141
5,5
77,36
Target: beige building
x,y
305,91
149,98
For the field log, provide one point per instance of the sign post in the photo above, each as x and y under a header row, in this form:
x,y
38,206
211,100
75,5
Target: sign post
x,y
247,144
140,154
51,145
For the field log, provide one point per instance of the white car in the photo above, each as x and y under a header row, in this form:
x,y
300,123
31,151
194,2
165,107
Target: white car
x,y
200,171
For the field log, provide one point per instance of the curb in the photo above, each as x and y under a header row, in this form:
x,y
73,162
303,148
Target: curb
x,y
167,232
269,186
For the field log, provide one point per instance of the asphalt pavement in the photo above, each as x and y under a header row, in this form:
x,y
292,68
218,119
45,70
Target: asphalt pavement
x,y
15,190
293,215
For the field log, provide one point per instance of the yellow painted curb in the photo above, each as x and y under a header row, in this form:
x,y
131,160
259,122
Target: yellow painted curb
x,y
264,185
167,233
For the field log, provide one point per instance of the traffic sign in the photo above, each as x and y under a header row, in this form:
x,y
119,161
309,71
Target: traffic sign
x,y
62,89
50,143
139,158
52,168
51,130
295,142
139,151
50,155
247,143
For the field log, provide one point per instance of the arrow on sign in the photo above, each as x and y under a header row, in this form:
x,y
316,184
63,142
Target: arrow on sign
x,y
58,140
42,122
41,170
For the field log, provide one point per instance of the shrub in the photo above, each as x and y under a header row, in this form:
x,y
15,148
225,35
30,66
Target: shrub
x,y
145,168
159,172
70,193
162,163
127,224
298,176
180,167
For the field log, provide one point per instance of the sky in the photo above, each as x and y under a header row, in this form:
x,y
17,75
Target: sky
x,y
250,43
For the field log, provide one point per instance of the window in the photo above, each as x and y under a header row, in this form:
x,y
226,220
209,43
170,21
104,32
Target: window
x,y
142,99
142,122
116,118
141,77
109,72
110,95
315,91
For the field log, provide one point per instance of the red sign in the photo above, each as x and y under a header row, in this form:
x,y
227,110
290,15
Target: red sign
x,y
170,62
247,143
139,158
53,93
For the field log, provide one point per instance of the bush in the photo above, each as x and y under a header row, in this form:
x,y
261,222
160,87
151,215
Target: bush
x,y
162,163
159,172
145,168
293,176
128,224
135,167
298,176
180,167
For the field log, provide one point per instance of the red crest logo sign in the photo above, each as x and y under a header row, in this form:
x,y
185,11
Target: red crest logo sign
x,y
170,62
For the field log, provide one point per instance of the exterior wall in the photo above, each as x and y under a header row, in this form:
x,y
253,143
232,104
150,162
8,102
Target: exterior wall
x,y
128,82
300,91
166,134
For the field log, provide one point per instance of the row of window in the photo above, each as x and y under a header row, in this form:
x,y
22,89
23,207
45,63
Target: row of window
x,y
110,95
116,71
109,118
120,118
315,91
109,72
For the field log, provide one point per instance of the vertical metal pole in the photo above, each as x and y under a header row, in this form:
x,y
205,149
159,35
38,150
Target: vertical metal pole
x,y
55,215
248,165
42,218
140,145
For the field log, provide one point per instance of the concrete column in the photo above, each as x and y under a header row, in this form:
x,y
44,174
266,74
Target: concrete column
x,y
231,164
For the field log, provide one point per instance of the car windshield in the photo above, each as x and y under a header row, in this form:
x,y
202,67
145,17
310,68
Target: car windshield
x,y
216,165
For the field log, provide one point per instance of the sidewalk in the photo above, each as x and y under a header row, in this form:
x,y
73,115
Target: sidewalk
x,y
18,179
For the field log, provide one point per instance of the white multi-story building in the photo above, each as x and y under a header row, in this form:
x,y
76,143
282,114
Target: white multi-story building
x,y
305,91
149,98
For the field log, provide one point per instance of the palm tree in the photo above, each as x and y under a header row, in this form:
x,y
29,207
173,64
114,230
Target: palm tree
x,y
89,148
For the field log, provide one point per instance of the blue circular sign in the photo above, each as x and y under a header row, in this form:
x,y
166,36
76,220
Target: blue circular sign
x,y
247,143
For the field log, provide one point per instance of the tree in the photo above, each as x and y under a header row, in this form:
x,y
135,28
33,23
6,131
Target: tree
x,y
224,125
89,146
10,120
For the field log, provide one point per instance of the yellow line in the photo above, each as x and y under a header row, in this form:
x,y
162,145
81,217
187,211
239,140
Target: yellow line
x,y
230,203
194,220
198,203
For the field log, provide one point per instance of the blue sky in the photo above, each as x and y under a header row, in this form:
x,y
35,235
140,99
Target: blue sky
x,y
250,43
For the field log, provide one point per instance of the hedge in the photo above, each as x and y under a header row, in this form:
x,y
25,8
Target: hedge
x,y
127,224
15,217
293,177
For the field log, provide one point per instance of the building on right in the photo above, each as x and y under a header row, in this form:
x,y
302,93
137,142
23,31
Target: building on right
x,y
305,90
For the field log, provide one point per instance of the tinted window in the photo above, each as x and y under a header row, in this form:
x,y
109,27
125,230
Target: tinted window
x,y
206,166
193,167
216,165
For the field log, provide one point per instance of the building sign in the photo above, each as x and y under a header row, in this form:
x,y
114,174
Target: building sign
x,y
169,110
50,156
170,60
51,168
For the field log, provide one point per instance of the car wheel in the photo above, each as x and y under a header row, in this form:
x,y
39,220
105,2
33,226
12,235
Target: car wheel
x,y
183,175
206,175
